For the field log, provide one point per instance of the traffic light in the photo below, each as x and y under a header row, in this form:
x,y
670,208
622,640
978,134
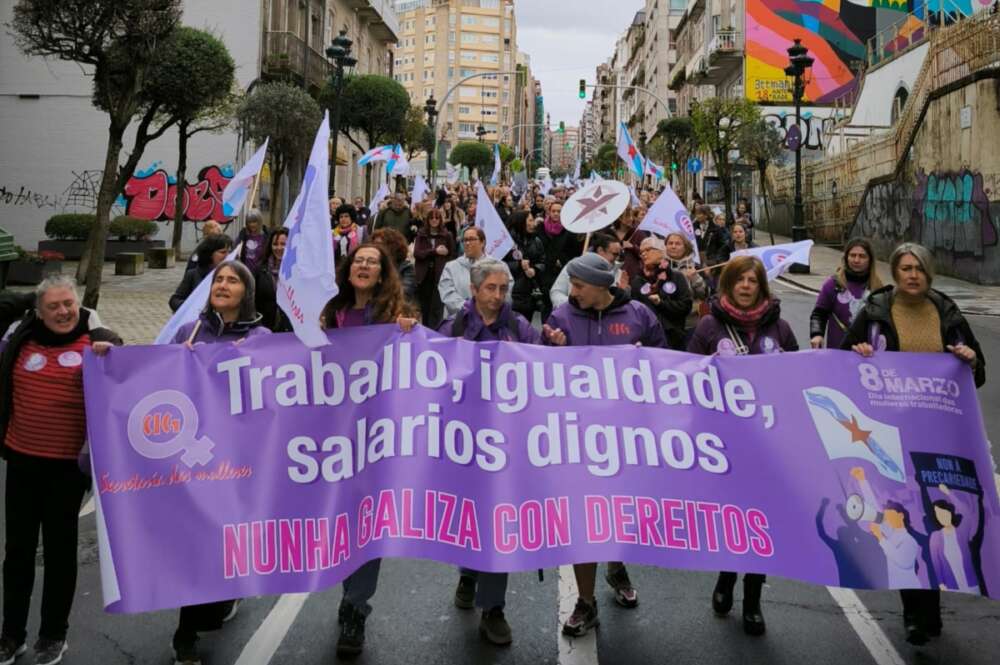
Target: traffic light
x,y
562,126
673,166
583,89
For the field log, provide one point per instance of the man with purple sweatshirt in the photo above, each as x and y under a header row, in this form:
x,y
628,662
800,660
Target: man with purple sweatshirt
x,y
599,313
488,317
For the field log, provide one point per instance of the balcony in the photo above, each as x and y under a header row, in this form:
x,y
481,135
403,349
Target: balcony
x,y
287,56
678,74
380,17
725,56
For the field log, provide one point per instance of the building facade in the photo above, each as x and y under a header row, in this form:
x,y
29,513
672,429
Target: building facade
x,y
442,42
54,138
565,149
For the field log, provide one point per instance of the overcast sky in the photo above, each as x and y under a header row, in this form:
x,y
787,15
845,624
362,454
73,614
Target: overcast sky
x,y
566,40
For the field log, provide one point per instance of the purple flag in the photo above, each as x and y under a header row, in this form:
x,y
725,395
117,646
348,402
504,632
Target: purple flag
x,y
268,467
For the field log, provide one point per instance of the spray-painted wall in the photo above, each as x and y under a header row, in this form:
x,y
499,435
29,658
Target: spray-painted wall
x,y
950,200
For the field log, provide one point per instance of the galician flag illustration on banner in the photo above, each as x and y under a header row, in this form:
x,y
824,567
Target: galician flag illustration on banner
x,y
629,152
307,278
777,259
192,307
498,240
668,215
379,154
847,432
235,193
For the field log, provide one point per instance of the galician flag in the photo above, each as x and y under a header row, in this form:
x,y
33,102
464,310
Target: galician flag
x,y
397,162
379,154
629,152
193,305
235,193
380,195
847,432
668,215
307,277
777,259
495,178
498,240
654,170
420,188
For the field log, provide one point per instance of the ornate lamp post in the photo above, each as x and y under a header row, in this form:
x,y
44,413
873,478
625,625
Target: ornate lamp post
x,y
430,108
340,52
800,62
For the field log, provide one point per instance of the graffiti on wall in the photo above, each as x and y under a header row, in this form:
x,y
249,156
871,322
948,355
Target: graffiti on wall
x,y
813,128
954,213
152,194
835,32
19,195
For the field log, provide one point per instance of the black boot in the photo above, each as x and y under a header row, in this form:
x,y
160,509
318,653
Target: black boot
x,y
352,634
722,597
753,618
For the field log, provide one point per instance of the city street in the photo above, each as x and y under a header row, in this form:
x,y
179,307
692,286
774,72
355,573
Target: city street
x,y
415,620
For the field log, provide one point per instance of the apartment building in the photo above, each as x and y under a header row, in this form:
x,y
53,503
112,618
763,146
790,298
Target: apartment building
x,y
442,42
565,147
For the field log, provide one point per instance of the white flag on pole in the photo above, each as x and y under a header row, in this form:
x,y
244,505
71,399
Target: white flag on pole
x,y
452,176
576,172
546,186
668,215
498,240
635,197
193,305
777,259
307,279
236,190
495,178
420,189
380,195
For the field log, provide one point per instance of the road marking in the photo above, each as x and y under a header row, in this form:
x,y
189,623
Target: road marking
x,y
88,507
864,624
795,287
572,650
265,642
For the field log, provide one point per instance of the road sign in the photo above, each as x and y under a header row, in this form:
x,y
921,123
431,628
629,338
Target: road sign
x,y
694,165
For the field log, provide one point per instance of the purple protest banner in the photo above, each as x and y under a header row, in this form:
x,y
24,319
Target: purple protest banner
x,y
266,467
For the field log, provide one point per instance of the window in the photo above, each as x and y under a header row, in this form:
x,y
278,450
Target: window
x,y
467,72
429,39
468,55
491,22
467,91
469,38
493,40
489,94
468,20
489,57
464,110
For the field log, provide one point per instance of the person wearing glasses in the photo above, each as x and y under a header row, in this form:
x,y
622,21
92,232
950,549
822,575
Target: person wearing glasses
x,y
454,285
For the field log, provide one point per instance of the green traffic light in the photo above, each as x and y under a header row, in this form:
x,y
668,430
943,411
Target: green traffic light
x,y
673,166
583,89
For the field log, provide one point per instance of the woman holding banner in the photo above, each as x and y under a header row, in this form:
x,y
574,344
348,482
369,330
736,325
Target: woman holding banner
x,y
913,317
369,294
230,315
843,295
744,320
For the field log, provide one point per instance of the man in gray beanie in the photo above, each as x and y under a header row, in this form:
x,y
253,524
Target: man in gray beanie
x,y
600,314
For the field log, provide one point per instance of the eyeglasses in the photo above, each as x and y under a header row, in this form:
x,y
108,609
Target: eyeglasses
x,y
362,261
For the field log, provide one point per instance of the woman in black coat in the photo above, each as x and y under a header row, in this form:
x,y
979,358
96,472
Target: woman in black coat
x,y
528,265
211,252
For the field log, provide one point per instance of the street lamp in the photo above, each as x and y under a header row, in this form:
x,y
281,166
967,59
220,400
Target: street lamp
x,y
480,133
340,52
431,110
800,62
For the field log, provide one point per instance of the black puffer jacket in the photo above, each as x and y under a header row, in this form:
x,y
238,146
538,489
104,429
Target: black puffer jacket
x,y
532,249
875,322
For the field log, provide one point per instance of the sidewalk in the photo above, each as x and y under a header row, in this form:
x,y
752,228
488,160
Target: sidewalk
x,y
971,298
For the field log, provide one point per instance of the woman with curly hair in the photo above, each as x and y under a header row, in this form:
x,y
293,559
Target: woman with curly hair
x,y
395,244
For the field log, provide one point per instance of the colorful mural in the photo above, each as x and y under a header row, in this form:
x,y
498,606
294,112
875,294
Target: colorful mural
x,y
836,32
152,193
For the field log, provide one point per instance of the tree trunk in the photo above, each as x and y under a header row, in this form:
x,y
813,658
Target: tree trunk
x,y
182,140
92,262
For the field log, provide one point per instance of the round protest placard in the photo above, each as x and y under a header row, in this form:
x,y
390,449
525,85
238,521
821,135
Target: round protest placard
x,y
595,206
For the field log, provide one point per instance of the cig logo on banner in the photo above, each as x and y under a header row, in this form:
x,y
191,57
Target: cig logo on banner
x,y
165,424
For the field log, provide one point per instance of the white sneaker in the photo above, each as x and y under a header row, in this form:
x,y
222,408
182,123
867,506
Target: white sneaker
x,y
50,652
232,611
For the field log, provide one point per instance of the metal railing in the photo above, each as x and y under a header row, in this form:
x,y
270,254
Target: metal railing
x,y
725,41
285,53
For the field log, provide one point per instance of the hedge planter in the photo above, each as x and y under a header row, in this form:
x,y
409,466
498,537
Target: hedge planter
x,y
32,272
73,249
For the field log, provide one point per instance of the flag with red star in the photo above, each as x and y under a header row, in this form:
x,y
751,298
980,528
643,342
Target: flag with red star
x,y
629,153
